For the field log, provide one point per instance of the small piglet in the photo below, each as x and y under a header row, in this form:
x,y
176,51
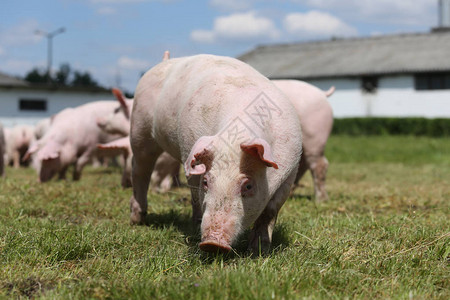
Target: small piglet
x,y
316,119
72,138
239,138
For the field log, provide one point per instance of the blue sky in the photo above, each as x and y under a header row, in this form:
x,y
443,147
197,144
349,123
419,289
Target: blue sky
x,y
117,40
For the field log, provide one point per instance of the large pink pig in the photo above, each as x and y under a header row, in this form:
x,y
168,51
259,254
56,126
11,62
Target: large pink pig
x,y
237,134
18,139
316,119
71,139
167,169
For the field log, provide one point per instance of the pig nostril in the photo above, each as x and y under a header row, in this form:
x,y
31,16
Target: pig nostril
x,y
214,247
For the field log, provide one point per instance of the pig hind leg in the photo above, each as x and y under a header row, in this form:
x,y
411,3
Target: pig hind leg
x,y
319,169
143,164
261,234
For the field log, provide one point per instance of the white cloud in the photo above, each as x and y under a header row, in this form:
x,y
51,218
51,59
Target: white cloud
x,y
238,27
129,63
21,34
231,5
16,66
405,12
316,23
203,36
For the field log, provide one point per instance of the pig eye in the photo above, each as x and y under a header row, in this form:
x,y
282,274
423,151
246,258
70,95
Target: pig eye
x,y
247,188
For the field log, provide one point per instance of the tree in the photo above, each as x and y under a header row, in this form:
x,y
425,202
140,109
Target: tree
x,y
83,79
62,76
36,76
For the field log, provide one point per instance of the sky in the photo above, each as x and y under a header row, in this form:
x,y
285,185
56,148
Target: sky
x,y
117,40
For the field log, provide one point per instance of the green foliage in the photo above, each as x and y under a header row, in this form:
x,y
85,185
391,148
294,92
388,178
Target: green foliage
x,y
392,126
384,234
63,77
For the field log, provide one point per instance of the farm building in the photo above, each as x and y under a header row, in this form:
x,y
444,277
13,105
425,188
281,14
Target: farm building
x,y
402,75
23,103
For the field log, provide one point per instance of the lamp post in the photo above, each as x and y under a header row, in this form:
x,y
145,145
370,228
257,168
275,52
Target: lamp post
x,y
50,36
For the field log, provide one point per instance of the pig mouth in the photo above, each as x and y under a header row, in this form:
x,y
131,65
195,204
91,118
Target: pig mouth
x,y
213,246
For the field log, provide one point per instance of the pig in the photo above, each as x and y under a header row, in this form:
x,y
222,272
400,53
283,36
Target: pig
x,y
316,119
118,120
42,127
166,172
2,151
164,176
71,139
18,139
237,135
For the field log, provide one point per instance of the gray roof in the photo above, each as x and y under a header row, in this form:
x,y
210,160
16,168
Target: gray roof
x,y
388,54
9,81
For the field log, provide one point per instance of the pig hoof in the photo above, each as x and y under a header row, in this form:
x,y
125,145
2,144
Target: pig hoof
x,y
137,218
212,246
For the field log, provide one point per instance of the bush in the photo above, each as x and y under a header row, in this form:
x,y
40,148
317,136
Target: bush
x,y
392,126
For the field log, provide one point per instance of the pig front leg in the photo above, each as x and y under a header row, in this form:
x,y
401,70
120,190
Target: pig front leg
x,y
16,159
79,165
142,167
261,234
62,173
197,213
302,167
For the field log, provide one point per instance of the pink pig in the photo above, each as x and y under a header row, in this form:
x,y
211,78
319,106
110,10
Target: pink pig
x,y
71,139
237,134
167,169
316,119
17,139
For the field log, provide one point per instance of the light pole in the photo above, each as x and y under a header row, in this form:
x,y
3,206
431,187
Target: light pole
x,y
50,36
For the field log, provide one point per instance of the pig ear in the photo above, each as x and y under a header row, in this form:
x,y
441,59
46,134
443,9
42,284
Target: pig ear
x,y
123,103
50,150
33,148
259,148
200,159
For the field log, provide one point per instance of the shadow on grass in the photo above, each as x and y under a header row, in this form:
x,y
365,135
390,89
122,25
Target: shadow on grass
x,y
183,223
297,196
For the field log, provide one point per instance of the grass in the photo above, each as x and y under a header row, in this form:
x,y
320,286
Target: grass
x,y
384,233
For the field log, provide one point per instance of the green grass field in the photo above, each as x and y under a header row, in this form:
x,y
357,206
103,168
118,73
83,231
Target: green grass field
x,y
384,233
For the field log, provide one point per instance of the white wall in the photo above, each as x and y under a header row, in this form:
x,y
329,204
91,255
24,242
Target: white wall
x,y
10,115
395,97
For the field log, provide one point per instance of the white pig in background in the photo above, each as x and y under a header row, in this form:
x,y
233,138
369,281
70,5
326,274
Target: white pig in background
x,y
2,151
316,119
167,169
237,134
17,139
71,139
42,127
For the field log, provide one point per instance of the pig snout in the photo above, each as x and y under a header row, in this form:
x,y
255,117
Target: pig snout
x,y
217,233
